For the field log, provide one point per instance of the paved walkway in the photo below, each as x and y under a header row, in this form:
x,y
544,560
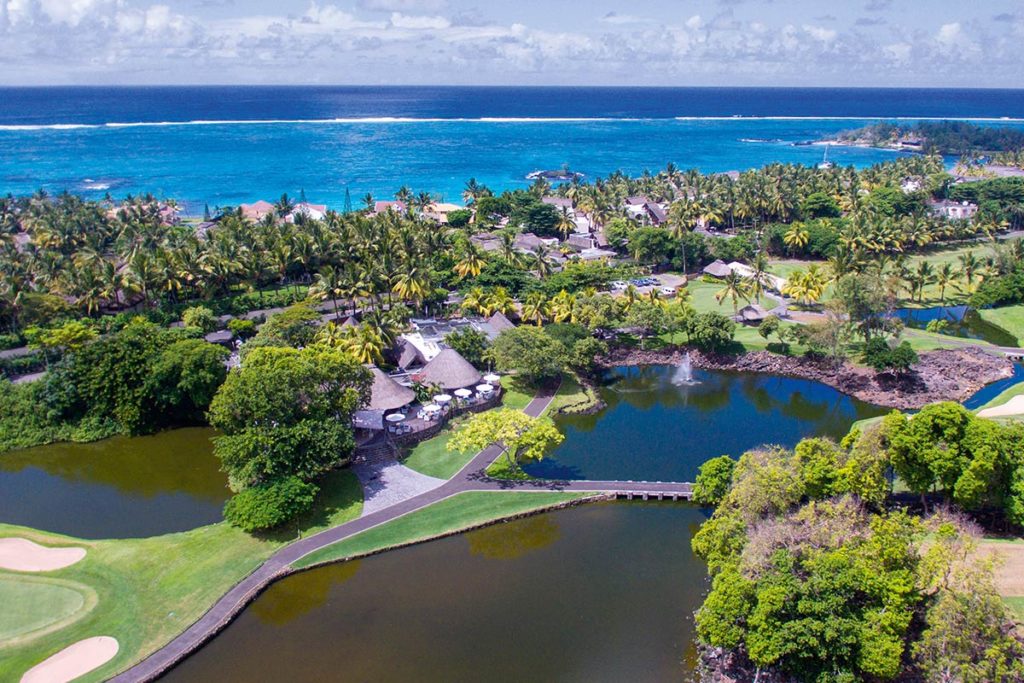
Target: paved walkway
x,y
389,482
470,478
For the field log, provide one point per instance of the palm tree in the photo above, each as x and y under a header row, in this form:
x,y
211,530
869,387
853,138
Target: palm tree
x,y
945,276
540,260
535,309
475,301
329,283
735,287
969,266
471,261
566,225
759,280
507,249
796,237
412,285
562,305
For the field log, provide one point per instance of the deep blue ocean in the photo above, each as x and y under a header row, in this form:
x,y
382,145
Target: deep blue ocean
x,y
225,145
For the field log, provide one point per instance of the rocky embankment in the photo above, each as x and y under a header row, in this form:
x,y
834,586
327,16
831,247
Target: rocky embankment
x,y
945,375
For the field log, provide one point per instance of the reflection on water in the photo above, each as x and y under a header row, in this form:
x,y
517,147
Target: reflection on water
x,y
655,429
119,487
960,321
607,596
286,601
509,541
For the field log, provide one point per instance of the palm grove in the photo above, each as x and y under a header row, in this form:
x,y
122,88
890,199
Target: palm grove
x,y
94,286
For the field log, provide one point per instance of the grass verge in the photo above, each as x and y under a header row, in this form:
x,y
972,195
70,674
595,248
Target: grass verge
x,y
458,513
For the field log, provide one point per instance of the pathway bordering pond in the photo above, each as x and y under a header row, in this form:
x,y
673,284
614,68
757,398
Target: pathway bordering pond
x,y
470,478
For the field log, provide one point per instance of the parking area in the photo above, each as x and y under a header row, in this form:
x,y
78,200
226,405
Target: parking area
x,y
667,284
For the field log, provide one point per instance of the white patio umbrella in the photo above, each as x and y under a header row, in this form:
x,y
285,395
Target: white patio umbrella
x,y
492,378
463,393
432,408
442,398
395,417
485,388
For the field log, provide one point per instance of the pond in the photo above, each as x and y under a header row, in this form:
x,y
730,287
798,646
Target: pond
x,y
961,321
124,487
604,592
654,429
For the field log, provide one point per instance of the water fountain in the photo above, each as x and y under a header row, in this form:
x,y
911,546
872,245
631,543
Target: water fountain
x,y
683,376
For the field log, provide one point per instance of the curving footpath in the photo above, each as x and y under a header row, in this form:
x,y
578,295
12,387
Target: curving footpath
x,y
470,478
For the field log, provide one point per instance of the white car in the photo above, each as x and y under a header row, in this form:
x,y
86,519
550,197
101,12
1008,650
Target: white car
x,y
618,284
667,291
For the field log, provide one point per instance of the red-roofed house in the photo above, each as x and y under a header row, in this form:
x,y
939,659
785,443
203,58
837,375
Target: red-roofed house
x,y
256,211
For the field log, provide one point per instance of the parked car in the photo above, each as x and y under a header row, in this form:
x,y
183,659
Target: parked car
x,y
618,284
668,291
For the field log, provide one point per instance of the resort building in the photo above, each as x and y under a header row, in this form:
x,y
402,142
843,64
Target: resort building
x,y
256,211
449,371
315,212
384,207
956,211
426,340
644,210
718,268
439,211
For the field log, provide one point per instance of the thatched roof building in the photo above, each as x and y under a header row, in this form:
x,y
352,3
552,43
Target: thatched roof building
x,y
449,371
752,313
387,394
499,323
717,269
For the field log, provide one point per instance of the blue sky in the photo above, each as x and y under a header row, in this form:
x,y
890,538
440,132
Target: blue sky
x,y
531,42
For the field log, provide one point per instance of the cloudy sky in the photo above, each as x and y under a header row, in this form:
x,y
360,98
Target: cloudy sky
x,y
534,42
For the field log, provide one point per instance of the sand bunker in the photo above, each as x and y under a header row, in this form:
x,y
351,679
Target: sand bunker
x,y
22,555
1015,406
73,661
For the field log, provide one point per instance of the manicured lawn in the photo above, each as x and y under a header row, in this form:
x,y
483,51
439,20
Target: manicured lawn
x,y
517,394
1010,318
148,590
457,513
432,457
33,603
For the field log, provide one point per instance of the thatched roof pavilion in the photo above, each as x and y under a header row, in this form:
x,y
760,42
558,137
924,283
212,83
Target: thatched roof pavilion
x,y
753,313
717,268
387,394
449,371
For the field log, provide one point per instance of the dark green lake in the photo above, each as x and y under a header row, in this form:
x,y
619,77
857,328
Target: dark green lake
x,y
604,592
116,488
654,429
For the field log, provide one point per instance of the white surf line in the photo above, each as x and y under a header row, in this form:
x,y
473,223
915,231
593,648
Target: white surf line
x,y
487,119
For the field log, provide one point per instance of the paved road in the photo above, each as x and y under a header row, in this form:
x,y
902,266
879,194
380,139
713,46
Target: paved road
x,y
470,478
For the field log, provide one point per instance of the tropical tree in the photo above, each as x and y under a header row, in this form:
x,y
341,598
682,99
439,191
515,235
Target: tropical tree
x,y
734,287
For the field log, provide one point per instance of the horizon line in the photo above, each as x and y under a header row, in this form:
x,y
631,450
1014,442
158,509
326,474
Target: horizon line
x,y
509,86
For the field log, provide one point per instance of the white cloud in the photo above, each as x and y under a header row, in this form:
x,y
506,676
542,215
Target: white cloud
x,y
949,33
148,40
403,5
617,19
825,35
418,22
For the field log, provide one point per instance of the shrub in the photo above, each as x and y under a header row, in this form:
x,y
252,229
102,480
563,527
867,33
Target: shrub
x,y
710,331
242,328
10,341
470,344
270,505
200,317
